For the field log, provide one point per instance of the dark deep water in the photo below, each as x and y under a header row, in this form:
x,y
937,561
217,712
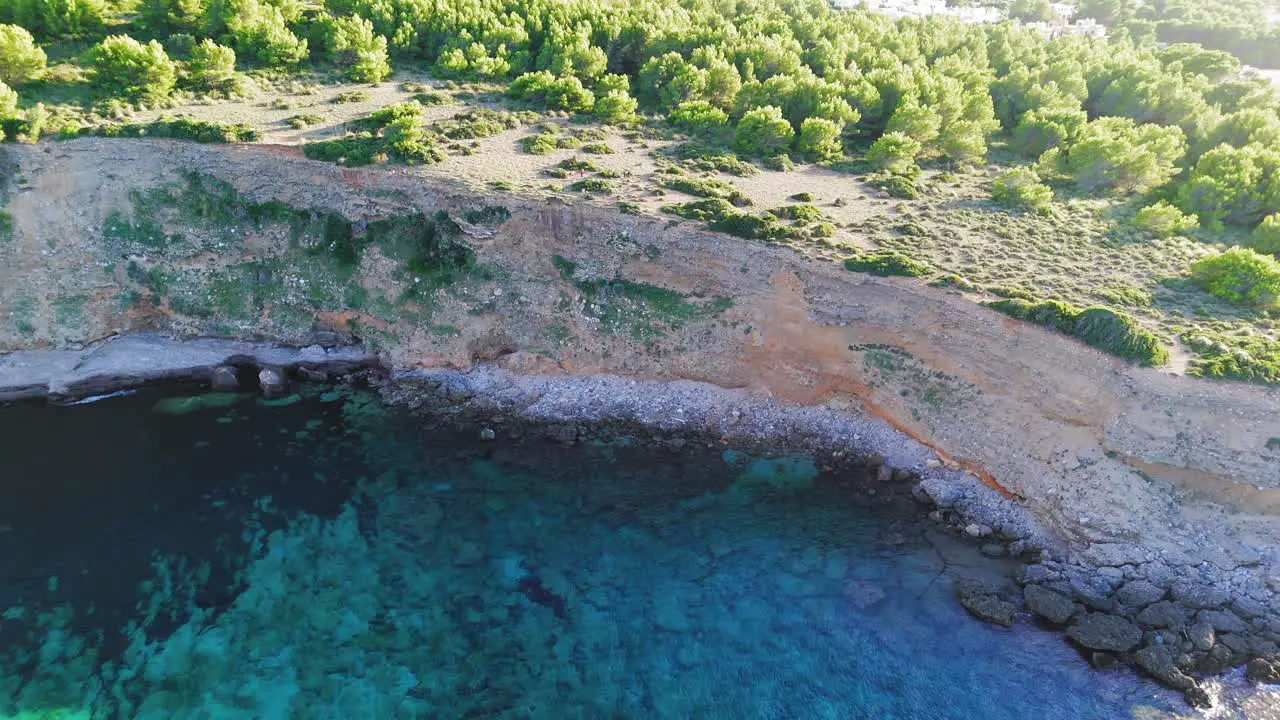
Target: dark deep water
x,y
223,557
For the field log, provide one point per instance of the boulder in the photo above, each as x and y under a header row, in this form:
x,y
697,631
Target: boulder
x,y
1263,670
1201,636
272,381
1092,590
1139,593
1159,662
1199,596
984,604
1052,606
1099,631
223,379
1223,621
1196,697
1165,614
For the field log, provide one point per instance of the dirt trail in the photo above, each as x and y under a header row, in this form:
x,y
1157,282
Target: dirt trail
x,y
1050,421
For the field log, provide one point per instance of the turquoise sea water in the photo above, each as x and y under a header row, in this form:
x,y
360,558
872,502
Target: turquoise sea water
x,y
323,557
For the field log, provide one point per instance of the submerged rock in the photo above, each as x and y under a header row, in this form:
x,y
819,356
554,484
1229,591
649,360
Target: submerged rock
x,y
984,604
1099,631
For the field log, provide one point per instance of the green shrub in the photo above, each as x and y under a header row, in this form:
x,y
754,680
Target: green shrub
x,y
897,186
708,209
822,229
746,225
361,51
123,66
388,114
1020,189
352,96
615,107
706,187
260,31
353,150
428,99
59,19
954,281
894,153
1245,356
298,122
595,185
540,144
612,82
597,148
1162,220
1103,328
885,263
8,102
212,67
820,139
781,163
708,159
477,123
179,129
1266,237
763,131
804,197
698,117
20,58
26,126
574,164
802,214
1119,335
406,139
1241,276
563,93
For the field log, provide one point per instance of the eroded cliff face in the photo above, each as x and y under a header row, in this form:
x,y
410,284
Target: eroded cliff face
x,y
109,236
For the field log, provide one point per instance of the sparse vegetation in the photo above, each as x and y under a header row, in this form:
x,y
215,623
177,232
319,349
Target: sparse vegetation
x,y
1103,328
886,263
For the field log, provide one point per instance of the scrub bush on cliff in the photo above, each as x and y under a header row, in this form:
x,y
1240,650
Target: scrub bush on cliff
x,y
820,139
362,52
211,67
57,19
1162,220
1020,189
20,58
125,67
1240,276
1266,237
763,131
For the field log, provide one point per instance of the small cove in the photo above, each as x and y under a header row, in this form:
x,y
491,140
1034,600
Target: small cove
x,y
325,556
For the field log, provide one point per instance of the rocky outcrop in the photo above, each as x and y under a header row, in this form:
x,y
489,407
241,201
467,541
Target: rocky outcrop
x,y
132,360
1098,631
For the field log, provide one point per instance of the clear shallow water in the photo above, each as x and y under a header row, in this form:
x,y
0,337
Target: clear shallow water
x,y
222,558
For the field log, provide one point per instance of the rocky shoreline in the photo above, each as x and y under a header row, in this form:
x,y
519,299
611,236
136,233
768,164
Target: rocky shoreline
x,y
1175,616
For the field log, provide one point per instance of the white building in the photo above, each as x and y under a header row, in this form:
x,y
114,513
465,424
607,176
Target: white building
x,y
922,8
